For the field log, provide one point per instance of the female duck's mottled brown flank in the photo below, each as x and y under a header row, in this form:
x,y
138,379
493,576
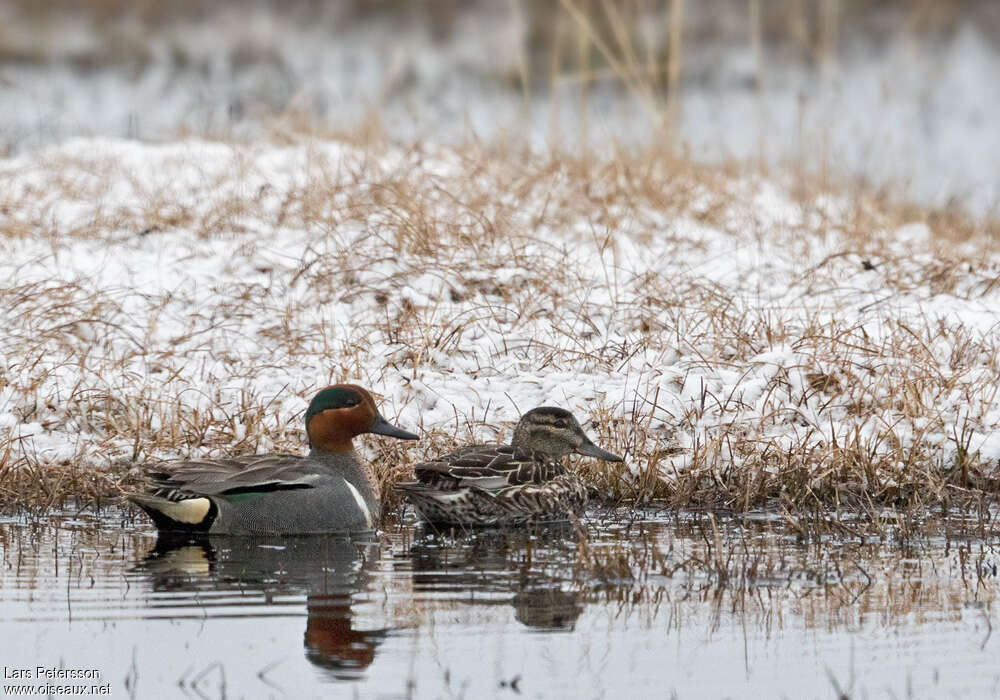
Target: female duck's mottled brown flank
x,y
329,490
522,482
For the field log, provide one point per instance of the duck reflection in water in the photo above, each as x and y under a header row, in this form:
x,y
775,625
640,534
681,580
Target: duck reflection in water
x,y
327,569
530,569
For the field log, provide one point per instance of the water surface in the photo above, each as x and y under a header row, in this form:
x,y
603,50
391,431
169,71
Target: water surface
x,y
613,607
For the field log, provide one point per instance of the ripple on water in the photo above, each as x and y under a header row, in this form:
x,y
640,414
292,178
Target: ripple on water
x,y
687,605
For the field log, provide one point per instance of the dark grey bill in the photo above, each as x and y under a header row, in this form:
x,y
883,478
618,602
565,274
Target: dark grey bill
x,y
591,450
384,427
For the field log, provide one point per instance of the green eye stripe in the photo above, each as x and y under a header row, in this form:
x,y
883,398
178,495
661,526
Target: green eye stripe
x,y
334,397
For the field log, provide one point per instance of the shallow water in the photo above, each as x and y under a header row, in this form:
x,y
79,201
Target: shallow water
x,y
643,608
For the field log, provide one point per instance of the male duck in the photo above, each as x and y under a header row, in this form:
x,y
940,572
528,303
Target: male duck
x,y
329,490
508,484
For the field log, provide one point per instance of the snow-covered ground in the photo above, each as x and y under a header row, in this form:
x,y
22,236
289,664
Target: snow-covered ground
x,y
162,300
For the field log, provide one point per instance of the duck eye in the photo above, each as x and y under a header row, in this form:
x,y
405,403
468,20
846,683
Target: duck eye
x,y
332,399
341,398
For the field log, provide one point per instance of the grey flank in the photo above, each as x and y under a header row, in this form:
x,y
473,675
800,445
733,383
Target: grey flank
x,y
277,494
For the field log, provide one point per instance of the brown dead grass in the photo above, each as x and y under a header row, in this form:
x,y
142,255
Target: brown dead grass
x,y
493,201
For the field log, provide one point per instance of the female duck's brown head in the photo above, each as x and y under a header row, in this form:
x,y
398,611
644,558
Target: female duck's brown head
x,y
556,433
339,413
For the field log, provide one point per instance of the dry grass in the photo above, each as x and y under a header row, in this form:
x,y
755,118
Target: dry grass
x,y
640,290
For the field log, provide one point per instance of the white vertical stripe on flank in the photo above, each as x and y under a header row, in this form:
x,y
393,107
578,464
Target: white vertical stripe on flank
x,y
361,503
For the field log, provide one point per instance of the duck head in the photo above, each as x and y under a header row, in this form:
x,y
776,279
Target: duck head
x,y
341,412
555,432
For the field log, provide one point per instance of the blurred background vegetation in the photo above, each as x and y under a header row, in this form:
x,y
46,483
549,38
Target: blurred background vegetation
x,y
893,92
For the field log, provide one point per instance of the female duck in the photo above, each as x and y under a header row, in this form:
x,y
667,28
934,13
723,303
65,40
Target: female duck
x,y
330,489
508,484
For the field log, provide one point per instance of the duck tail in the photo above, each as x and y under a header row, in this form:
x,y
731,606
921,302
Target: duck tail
x,y
194,514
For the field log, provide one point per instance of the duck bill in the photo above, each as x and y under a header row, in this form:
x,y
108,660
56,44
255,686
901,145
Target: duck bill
x,y
384,427
589,449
